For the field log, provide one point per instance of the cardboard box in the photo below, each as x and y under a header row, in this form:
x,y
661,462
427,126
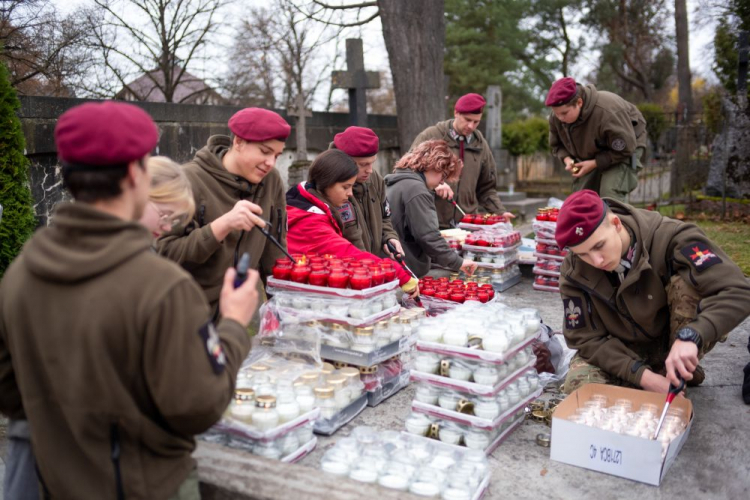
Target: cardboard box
x,y
630,457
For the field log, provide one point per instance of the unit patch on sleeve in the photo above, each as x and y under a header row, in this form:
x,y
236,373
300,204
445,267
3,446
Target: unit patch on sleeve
x,y
618,144
213,347
386,209
347,213
700,255
574,318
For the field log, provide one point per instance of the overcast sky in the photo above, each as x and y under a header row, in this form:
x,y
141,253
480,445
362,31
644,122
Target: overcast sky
x,y
376,57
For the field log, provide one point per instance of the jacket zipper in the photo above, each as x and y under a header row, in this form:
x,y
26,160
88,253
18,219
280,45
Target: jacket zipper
x,y
613,307
116,452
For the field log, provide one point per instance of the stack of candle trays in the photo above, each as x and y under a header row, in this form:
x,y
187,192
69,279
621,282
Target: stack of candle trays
x,y
274,408
622,418
549,255
398,461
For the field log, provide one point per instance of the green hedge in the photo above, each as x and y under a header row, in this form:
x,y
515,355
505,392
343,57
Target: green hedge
x,y
18,222
527,136
656,120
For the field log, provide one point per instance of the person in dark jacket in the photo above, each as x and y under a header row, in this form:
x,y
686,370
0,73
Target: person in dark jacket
x,y
105,347
645,296
598,135
315,224
411,194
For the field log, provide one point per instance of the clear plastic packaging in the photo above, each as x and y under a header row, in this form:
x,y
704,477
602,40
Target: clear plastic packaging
x,y
404,462
333,420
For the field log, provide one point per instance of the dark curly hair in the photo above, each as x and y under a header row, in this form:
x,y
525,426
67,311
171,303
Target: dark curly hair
x,y
432,155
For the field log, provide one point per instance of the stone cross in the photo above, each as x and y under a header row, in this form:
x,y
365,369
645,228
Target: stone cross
x,y
301,113
357,81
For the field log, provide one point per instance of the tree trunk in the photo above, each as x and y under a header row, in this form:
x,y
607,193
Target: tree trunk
x,y
683,61
414,34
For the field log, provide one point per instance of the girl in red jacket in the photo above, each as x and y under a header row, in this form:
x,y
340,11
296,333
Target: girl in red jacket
x,y
314,226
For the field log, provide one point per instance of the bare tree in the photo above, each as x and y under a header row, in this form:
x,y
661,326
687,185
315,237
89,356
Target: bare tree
x,y
158,39
43,51
414,35
281,53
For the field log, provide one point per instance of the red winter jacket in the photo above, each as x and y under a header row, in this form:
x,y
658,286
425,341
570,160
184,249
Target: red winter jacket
x,y
312,228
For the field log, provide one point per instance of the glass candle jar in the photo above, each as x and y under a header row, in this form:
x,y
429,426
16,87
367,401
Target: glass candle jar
x,y
455,336
417,423
243,405
363,340
513,395
427,362
486,375
477,439
449,400
305,433
269,450
358,311
265,416
430,333
460,370
288,443
496,341
287,406
503,402
327,369
338,337
486,407
305,398
340,390
335,461
310,378
397,331
382,333
363,472
450,433
353,382
324,399
427,394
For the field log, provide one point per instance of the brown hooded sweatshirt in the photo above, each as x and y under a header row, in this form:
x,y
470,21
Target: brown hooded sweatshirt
x,y
110,347
216,191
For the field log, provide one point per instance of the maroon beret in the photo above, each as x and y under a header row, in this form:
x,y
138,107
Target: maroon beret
x,y
579,217
258,125
105,133
470,103
561,92
358,142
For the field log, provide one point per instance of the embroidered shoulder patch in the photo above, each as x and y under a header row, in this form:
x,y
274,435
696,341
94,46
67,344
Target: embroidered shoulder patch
x,y
574,318
214,350
347,213
618,144
386,209
700,255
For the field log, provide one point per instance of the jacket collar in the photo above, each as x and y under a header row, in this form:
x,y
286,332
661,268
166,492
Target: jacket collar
x,y
306,198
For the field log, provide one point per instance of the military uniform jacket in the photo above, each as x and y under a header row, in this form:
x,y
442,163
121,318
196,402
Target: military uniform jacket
x,y
603,322
608,130
476,190
110,347
216,191
367,216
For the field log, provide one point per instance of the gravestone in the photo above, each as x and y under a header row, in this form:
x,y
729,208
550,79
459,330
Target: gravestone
x,y
356,80
298,169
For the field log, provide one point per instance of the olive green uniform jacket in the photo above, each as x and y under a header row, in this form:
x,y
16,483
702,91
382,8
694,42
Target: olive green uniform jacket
x,y
476,190
367,216
608,130
216,191
607,324
108,349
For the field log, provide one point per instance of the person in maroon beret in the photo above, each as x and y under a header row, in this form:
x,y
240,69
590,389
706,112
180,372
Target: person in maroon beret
x,y
101,338
476,189
599,136
236,187
645,297
367,215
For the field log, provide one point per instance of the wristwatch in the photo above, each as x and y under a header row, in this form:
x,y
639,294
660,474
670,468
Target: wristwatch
x,y
687,334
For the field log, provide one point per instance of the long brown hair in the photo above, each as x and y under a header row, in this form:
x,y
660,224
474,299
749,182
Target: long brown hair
x,y
432,155
330,167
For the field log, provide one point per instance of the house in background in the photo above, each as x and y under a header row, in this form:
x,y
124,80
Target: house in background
x,y
190,90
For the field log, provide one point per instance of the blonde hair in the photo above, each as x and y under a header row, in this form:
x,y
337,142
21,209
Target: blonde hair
x,y
170,185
